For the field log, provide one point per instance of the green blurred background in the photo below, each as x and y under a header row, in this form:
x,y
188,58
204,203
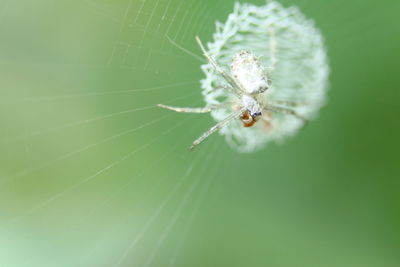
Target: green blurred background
x,y
92,174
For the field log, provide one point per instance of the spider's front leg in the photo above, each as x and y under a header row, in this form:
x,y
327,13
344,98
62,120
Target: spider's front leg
x,y
237,90
194,110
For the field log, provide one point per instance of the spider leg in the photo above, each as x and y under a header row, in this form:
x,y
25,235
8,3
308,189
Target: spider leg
x,y
225,75
194,110
285,111
229,89
287,103
215,128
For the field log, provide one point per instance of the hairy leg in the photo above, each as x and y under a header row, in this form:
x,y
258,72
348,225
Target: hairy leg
x,y
226,76
287,103
284,111
215,128
194,110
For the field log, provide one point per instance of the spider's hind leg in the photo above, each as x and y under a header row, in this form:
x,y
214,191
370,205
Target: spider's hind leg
x,y
285,111
287,103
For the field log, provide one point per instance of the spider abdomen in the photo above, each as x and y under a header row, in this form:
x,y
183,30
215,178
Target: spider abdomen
x,y
249,73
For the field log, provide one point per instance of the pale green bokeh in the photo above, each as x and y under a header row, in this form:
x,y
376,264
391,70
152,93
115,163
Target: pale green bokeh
x,y
77,189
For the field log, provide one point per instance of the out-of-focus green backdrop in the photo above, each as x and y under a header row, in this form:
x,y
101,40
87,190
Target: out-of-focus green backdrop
x,y
92,174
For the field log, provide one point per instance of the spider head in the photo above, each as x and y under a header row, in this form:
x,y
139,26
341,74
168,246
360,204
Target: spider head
x,y
252,110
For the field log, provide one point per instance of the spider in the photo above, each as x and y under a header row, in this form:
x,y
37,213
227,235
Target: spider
x,y
248,82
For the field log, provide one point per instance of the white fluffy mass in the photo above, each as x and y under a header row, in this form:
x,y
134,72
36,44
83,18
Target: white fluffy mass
x,y
300,73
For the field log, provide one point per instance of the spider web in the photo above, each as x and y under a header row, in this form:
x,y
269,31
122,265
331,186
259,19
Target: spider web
x,y
68,187
92,173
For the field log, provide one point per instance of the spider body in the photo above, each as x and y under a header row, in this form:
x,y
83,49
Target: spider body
x,y
247,82
249,73
254,46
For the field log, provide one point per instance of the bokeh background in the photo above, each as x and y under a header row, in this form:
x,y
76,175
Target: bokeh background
x,y
92,174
